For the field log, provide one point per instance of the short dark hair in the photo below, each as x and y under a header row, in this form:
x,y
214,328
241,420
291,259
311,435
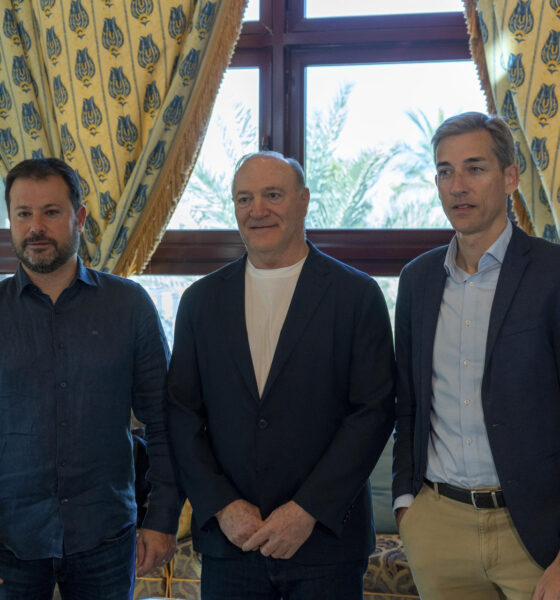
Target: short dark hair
x,y
296,167
502,140
42,168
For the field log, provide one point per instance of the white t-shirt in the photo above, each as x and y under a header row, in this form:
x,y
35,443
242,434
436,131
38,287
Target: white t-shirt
x,y
268,293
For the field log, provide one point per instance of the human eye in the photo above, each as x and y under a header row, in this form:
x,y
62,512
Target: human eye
x,y
22,214
442,173
242,200
52,212
274,197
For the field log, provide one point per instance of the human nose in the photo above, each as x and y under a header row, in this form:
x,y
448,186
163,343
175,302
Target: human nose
x,y
37,223
259,207
457,183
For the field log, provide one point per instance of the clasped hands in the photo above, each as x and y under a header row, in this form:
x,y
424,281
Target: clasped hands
x,y
280,535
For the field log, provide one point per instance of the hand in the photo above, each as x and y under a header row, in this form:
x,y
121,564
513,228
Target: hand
x,y
239,520
548,587
400,515
283,532
153,549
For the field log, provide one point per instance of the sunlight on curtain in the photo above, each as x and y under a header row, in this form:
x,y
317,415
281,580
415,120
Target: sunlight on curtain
x,y
122,90
516,48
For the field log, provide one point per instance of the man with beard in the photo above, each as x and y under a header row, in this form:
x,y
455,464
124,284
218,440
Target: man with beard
x,y
80,349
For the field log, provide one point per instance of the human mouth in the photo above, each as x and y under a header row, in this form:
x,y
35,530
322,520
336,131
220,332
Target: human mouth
x,y
38,243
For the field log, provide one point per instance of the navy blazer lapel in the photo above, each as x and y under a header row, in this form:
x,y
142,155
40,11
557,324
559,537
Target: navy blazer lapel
x,y
434,285
311,286
515,262
232,312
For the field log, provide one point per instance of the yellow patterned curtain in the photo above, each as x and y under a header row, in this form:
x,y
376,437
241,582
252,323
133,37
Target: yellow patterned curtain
x,y
122,90
516,46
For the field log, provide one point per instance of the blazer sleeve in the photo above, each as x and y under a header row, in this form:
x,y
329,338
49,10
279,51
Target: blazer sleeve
x,y
199,474
403,452
330,489
151,356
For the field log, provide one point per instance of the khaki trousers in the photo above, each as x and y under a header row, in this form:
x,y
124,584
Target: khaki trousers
x,y
457,552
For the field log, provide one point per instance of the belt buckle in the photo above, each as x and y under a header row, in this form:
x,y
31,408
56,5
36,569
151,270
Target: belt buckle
x,y
473,499
492,495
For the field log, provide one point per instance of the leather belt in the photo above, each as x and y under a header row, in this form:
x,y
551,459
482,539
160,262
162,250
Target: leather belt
x,y
494,499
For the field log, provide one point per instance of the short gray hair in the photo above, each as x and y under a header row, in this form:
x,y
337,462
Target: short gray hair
x,y
502,140
296,167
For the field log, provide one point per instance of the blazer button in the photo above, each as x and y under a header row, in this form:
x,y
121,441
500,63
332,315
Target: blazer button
x,y
263,423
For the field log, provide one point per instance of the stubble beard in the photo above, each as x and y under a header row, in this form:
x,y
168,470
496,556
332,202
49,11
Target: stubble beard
x,y
38,264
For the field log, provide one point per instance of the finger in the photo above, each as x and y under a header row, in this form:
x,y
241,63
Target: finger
x,y
140,551
148,564
255,541
271,547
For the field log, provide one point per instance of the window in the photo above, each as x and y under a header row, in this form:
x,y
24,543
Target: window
x,y
297,62
292,59
335,8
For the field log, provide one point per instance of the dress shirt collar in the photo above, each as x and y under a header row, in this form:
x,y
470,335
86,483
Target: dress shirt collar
x,y
23,281
494,255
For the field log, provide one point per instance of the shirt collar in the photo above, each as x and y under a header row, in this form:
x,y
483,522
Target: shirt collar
x,y
82,274
495,254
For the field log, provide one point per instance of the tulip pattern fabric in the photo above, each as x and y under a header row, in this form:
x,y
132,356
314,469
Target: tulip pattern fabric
x,y
516,45
122,90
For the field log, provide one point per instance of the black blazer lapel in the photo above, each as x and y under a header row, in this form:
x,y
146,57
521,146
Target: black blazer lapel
x,y
232,313
311,286
433,294
515,262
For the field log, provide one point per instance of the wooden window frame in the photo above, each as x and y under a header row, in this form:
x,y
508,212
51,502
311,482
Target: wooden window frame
x,y
282,44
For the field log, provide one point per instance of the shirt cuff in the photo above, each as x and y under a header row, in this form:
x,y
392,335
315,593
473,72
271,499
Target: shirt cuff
x,y
403,501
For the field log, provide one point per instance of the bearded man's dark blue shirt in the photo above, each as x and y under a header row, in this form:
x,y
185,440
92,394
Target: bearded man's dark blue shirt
x,y
70,373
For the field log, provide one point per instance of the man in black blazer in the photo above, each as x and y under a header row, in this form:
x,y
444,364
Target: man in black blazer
x,y
477,446
280,402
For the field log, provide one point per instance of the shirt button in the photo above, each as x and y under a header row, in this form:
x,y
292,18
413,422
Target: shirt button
x,y
471,284
64,501
60,346
62,463
469,441
474,479
467,402
467,362
63,384
63,423
263,423
468,322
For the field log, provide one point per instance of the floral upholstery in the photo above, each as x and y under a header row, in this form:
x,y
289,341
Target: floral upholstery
x,y
387,578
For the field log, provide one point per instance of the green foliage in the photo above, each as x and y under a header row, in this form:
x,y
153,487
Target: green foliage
x,y
209,190
340,188
414,200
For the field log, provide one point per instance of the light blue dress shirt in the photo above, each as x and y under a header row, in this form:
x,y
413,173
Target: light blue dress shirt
x,y
458,448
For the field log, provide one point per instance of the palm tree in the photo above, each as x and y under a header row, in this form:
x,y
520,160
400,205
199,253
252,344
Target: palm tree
x,y
414,201
340,188
209,189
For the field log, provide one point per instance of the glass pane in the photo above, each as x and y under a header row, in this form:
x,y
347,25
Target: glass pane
x,y
4,222
349,8
368,129
389,286
232,132
166,292
253,12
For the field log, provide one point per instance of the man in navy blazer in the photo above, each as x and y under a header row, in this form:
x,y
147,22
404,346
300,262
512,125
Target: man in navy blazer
x,y
281,400
477,445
